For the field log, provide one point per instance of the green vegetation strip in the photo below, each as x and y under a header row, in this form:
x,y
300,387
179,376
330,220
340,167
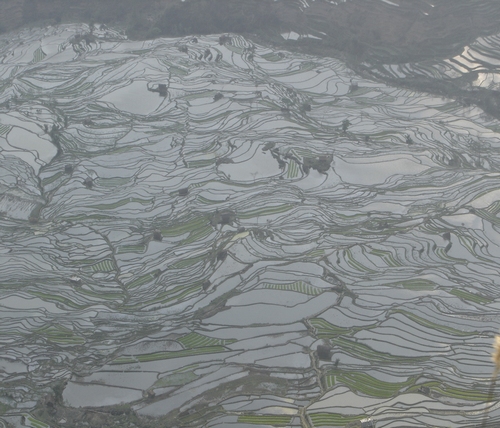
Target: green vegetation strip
x,y
272,56
59,299
452,392
175,379
187,227
333,419
112,182
443,255
50,180
121,203
36,423
325,330
38,55
200,163
115,294
177,294
387,257
104,266
196,340
493,209
198,234
469,243
298,286
206,201
464,394
168,355
418,284
351,261
4,408
144,279
329,380
180,292
432,325
362,351
315,254
86,217
60,335
177,71
274,420
371,386
139,248
305,66
182,264
465,295
4,129
293,170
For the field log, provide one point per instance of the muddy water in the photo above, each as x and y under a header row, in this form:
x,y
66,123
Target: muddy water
x,y
190,251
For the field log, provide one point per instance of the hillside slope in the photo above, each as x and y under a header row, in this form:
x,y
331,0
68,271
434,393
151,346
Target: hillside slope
x,y
399,29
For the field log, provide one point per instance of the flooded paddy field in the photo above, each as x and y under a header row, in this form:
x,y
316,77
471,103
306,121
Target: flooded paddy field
x,y
215,233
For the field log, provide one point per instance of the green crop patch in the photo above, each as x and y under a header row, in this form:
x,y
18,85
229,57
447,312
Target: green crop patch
x,y
176,379
371,386
325,330
329,380
144,279
432,325
104,266
60,335
387,257
186,227
4,408
293,170
272,56
50,180
196,340
121,203
333,419
418,284
35,423
198,234
298,286
467,394
465,295
355,264
137,249
57,299
38,55
4,129
182,264
362,351
273,420
168,355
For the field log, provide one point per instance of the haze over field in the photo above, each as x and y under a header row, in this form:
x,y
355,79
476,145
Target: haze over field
x,y
224,229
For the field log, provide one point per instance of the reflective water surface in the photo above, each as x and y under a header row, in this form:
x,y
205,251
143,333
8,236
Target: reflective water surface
x,y
185,249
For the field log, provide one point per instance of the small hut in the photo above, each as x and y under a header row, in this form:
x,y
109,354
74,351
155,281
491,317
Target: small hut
x,y
88,183
367,423
161,88
324,352
157,235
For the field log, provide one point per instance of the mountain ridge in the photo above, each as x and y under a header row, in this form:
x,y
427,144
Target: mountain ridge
x,y
399,30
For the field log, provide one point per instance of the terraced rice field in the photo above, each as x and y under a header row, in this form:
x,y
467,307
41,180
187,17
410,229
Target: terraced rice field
x,y
481,57
186,254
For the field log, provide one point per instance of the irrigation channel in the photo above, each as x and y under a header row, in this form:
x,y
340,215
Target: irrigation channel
x,y
185,221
